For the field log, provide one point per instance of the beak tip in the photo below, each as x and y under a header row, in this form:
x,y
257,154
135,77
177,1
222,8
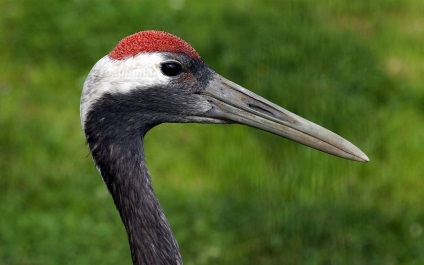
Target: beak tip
x,y
366,159
362,157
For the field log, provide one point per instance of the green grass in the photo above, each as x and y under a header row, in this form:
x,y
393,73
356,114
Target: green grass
x,y
233,195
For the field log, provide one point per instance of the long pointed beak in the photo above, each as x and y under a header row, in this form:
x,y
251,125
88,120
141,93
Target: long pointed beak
x,y
234,103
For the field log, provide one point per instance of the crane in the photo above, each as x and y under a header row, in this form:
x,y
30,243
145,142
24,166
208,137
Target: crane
x,y
154,77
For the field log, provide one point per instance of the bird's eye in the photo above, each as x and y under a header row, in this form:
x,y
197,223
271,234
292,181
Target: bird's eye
x,y
171,68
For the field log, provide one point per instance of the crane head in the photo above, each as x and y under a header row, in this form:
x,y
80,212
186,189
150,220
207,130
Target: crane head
x,y
153,77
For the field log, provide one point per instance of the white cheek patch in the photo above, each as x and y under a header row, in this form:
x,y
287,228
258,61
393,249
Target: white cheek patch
x,y
121,76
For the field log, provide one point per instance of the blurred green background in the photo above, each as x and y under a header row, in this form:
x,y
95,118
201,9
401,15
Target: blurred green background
x,y
233,194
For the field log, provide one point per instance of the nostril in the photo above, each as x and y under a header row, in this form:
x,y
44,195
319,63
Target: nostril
x,y
260,109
